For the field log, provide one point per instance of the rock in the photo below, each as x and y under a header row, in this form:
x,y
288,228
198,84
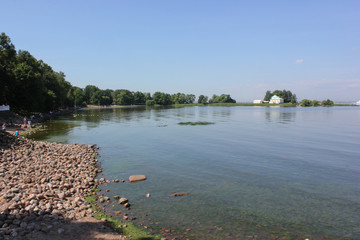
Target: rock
x,y
148,195
137,178
116,197
61,195
127,205
14,190
179,194
123,201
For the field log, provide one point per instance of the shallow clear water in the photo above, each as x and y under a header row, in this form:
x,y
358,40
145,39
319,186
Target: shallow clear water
x,y
265,171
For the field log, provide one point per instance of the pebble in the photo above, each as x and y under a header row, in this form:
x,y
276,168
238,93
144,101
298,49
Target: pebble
x,y
42,182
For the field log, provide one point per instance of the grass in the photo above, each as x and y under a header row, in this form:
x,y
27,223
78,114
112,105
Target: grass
x,y
129,229
195,123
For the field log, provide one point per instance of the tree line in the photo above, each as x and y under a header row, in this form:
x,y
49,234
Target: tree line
x,y
315,103
31,85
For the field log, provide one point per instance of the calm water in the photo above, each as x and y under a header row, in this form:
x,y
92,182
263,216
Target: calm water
x,y
264,171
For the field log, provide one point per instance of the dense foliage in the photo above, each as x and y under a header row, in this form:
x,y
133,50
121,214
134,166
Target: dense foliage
x,y
30,85
315,103
287,95
223,98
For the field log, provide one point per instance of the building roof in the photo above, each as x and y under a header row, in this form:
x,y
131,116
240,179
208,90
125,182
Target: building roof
x,y
275,97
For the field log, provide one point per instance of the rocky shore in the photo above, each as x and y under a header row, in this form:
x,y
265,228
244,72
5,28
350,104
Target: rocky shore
x,y
42,188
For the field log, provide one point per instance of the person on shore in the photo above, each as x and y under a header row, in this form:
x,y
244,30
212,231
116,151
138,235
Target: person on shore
x,y
29,122
25,121
3,127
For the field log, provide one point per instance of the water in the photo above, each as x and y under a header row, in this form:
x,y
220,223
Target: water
x,y
268,172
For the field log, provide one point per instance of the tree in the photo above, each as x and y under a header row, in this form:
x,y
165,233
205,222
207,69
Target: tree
x,y
203,99
92,95
79,97
327,102
139,98
214,99
284,94
305,103
7,64
162,98
268,95
123,97
178,98
190,98
315,103
293,99
223,98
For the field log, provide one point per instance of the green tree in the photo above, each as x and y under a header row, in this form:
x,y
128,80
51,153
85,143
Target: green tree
x,y
327,102
139,98
178,98
123,97
223,98
7,64
203,99
92,94
162,98
305,103
190,98
79,97
315,103
293,99
268,95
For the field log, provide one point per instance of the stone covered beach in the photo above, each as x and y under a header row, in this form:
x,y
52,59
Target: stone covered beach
x,y
42,190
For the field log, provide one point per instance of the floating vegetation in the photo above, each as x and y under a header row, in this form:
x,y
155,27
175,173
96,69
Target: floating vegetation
x,y
195,123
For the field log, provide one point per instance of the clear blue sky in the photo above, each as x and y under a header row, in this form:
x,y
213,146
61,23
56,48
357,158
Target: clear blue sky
x,y
242,48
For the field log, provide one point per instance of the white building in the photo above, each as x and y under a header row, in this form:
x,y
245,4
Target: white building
x,y
357,103
276,100
258,101
4,108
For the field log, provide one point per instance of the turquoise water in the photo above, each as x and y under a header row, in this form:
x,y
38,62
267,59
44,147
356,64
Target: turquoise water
x,y
268,172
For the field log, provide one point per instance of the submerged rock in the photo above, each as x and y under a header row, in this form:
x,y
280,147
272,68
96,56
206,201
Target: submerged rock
x,y
179,194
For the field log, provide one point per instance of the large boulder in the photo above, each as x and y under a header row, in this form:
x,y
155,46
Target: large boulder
x,y
137,178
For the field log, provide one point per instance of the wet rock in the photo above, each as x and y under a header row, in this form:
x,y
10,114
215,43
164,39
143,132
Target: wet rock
x,y
179,194
137,178
123,201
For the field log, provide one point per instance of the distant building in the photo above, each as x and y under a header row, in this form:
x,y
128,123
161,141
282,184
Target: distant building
x,y
4,108
357,103
276,100
258,101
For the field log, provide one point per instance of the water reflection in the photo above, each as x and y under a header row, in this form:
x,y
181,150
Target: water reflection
x,y
280,116
55,128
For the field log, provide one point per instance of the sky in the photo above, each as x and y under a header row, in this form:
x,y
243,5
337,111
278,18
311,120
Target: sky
x,y
237,47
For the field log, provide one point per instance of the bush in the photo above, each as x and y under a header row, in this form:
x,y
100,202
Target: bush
x,y
305,103
150,102
327,102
